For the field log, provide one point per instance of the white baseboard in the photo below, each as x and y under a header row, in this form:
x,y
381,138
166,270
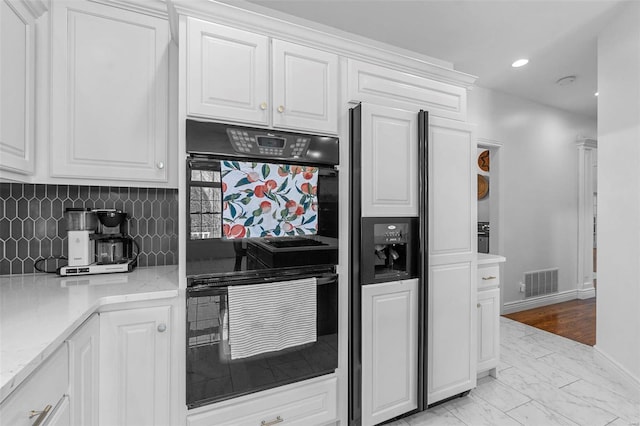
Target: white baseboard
x,y
536,302
586,292
612,366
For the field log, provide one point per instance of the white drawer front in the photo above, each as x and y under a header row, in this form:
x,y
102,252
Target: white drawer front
x,y
488,277
312,404
46,386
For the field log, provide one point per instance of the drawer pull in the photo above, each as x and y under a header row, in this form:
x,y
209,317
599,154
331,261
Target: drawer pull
x,y
489,278
272,422
41,415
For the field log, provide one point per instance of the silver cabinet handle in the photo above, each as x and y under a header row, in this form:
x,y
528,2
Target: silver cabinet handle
x,y
489,278
41,415
263,106
162,327
272,422
281,108
160,165
478,305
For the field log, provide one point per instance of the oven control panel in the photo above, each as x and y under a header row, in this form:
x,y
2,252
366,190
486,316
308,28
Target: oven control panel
x,y
268,144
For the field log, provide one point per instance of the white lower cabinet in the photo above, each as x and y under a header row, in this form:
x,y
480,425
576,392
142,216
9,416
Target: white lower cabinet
x,y
43,395
84,360
488,319
389,350
488,330
313,402
451,331
135,363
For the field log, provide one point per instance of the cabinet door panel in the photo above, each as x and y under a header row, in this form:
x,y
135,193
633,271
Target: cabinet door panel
x,y
109,93
227,73
135,366
389,161
451,331
488,329
305,88
84,357
389,350
452,183
17,38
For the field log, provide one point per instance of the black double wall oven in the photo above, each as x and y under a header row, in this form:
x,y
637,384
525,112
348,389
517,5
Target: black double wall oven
x,y
262,249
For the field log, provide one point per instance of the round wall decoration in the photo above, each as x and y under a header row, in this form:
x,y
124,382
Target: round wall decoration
x,y
483,187
483,161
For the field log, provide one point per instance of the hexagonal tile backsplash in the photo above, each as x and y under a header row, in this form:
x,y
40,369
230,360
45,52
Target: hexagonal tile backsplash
x,y
32,224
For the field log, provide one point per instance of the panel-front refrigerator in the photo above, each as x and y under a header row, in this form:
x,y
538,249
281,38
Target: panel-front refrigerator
x,y
388,259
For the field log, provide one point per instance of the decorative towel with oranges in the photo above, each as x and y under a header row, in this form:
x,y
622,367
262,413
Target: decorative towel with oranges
x,y
268,200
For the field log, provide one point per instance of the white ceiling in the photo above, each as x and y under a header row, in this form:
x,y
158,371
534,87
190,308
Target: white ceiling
x,y
483,38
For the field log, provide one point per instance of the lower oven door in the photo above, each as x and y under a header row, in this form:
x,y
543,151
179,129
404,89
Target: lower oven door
x,y
213,375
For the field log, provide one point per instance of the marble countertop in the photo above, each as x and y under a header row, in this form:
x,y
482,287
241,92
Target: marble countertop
x,y
485,259
39,311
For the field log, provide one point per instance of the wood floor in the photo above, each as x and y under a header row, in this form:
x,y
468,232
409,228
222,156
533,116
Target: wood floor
x,y
575,319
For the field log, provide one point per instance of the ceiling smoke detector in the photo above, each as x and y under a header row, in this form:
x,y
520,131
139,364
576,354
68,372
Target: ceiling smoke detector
x,y
565,81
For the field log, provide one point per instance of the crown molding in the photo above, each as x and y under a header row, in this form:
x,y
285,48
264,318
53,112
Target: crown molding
x,y
297,30
157,8
36,8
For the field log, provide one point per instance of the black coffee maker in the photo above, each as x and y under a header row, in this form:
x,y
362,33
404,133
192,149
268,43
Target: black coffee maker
x,y
389,249
113,244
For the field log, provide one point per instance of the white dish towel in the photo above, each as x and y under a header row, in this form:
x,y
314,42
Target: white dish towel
x,y
271,317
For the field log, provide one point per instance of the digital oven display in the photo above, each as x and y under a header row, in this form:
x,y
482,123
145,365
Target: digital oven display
x,y
270,142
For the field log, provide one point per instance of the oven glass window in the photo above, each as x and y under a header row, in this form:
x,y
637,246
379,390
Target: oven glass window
x,y
205,203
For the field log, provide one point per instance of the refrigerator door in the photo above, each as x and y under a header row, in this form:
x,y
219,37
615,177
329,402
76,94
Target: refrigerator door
x,y
389,350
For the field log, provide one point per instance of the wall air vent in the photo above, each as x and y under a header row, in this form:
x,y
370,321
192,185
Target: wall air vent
x,y
539,283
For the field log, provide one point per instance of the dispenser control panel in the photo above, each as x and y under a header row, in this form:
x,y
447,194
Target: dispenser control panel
x,y
390,233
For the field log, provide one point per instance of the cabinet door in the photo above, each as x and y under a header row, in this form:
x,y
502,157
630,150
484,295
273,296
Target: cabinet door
x,y
227,73
451,331
17,84
389,161
135,350
84,358
389,350
488,329
109,94
452,183
305,88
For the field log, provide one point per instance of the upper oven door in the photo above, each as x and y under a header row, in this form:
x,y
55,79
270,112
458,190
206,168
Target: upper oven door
x,y
248,216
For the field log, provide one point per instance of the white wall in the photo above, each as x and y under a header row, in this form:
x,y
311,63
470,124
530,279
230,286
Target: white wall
x,y
618,308
538,185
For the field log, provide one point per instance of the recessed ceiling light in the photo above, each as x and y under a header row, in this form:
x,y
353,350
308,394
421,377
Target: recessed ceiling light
x,y
595,94
520,63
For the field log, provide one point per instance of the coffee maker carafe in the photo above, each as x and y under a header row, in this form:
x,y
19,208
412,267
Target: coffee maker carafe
x,y
113,244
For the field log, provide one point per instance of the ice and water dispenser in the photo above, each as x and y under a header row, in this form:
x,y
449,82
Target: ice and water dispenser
x,y
389,249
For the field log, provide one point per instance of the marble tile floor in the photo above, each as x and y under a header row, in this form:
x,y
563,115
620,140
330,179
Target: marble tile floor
x,y
543,380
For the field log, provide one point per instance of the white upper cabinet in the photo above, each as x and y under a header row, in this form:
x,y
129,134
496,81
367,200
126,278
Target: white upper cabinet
x,y
452,204
109,94
305,94
376,84
234,75
228,73
389,161
17,85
